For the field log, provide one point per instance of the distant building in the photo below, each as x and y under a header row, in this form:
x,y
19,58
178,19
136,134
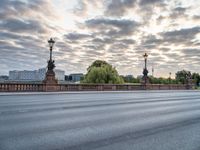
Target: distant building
x,y
13,75
60,74
3,78
76,77
35,75
28,75
66,78
41,73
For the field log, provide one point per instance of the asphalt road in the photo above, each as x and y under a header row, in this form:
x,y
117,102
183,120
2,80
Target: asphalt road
x,y
148,120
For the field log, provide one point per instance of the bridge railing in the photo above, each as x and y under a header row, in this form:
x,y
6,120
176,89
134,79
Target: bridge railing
x,y
26,87
20,87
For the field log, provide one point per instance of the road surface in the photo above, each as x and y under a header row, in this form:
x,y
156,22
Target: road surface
x,y
143,120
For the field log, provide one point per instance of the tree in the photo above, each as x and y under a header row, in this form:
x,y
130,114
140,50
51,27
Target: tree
x,y
160,80
130,79
196,78
183,76
102,72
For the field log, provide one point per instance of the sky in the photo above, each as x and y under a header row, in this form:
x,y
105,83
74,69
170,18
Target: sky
x,y
117,31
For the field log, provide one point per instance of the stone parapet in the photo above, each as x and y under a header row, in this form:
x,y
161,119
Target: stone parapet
x,y
25,87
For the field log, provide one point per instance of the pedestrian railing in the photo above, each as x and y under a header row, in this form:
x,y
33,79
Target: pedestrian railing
x,y
27,87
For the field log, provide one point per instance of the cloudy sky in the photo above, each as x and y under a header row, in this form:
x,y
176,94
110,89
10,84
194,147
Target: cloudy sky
x,y
118,31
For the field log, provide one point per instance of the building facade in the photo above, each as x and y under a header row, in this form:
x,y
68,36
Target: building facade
x,y
35,75
76,77
3,78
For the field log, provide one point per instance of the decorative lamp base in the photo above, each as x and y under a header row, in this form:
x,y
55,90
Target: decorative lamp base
x,y
50,78
50,82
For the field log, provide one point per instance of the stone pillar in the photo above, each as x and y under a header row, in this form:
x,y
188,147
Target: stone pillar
x,y
50,82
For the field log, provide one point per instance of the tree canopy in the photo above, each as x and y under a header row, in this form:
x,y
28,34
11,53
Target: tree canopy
x,y
183,76
196,78
102,72
130,79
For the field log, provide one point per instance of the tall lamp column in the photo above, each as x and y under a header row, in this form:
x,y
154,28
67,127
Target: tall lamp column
x,y
50,74
145,71
51,64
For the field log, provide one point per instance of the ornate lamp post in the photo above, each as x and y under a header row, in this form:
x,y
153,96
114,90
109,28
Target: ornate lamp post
x,y
170,74
51,64
50,74
51,44
152,72
145,71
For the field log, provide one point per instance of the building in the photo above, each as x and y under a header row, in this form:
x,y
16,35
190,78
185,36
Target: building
x,y
28,75
60,74
25,75
41,73
35,75
76,77
13,75
3,78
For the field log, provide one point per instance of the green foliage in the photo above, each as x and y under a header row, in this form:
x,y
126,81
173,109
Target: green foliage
x,y
183,76
196,78
130,79
154,80
102,72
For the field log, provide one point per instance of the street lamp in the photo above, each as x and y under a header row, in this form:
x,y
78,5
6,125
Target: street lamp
x,y
145,59
152,71
50,74
170,77
51,44
145,71
51,64
50,80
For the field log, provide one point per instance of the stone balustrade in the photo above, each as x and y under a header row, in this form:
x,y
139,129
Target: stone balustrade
x,y
26,87
20,87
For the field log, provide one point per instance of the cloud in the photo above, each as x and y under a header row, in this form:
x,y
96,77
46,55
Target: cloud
x,y
112,27
119,7
101,40
179,12
186,32
192,52
23,33
196,17
102,22
16,25
151,40
77,36
122,7
84,6
150,2
118,31
185,36
19,8
182,36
